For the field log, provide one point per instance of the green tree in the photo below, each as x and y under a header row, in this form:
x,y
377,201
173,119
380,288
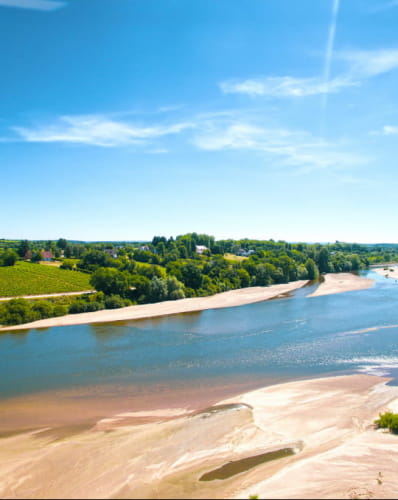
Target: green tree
x,y
35,257
312,269
23,247
192,276
323,260
111,281
175,289
157,290
42,309
140,288
62,243
8,258
16,312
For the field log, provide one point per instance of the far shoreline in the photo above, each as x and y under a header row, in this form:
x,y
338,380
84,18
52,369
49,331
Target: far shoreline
x,y
232,298
333,283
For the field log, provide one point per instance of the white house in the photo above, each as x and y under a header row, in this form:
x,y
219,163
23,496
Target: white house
x,y
200,249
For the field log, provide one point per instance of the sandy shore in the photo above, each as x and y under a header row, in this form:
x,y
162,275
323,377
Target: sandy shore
x,y
341,282
390,272
226,299
328,422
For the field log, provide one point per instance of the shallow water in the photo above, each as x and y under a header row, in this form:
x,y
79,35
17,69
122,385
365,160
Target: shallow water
x,y
282,339
238,466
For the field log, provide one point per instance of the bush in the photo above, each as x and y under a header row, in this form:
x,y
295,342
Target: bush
x,y
77,307
94,306
388,420
111,281
80,306
16,312
68,264
115,302
8,258
42,309
60,310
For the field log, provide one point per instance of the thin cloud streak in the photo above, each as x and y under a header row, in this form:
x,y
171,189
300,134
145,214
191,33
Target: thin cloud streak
x,y
96,130
328,60
43,5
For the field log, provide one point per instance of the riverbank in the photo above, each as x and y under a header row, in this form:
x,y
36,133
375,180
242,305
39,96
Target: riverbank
x,y
232,298
333,283
164,454
340,283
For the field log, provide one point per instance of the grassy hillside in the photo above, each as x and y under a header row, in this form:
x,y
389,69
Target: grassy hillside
x,y
29,279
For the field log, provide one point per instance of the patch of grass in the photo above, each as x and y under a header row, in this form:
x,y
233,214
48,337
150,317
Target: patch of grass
x,y
26,278
52,263
235,258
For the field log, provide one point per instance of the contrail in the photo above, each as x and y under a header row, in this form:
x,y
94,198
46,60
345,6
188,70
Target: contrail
x,y
328,60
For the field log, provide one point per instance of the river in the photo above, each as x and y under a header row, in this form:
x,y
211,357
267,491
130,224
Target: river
x,y
242,347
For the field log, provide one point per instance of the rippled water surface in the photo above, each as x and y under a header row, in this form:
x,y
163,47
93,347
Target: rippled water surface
x,y
280,339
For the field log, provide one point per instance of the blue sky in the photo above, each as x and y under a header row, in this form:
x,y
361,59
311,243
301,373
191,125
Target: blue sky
x,y
124,119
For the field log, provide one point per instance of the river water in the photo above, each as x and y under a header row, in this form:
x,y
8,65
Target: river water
x,y
256,344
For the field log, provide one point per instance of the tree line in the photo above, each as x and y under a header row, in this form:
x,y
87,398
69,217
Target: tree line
x,y
190,265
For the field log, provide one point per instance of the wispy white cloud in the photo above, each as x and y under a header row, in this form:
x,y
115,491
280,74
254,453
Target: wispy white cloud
x,y
96,130
287,148
361,65
45,5
285,86
369,63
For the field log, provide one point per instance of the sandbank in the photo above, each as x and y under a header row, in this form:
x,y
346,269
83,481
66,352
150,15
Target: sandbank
x,y
389,272
327,422
232,298
341,282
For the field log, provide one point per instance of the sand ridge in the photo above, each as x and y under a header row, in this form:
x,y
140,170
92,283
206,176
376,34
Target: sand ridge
x,y
328,421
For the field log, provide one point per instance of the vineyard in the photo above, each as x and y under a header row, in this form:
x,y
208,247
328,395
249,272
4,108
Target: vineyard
x,y
30,279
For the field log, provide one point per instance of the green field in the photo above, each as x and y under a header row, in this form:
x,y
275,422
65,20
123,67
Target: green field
x,y
30,279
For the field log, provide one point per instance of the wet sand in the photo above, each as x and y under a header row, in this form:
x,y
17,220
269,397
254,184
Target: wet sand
x,y
340,283
232,298
328,422
70,407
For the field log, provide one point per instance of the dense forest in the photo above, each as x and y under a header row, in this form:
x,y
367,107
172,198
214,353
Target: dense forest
x,y
190,265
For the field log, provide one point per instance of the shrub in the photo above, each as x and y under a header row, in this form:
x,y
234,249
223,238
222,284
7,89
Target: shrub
x,y
94,306
8,258
77,307
68,264
16,312
60,310
388,420
42,309
115,302
80,306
